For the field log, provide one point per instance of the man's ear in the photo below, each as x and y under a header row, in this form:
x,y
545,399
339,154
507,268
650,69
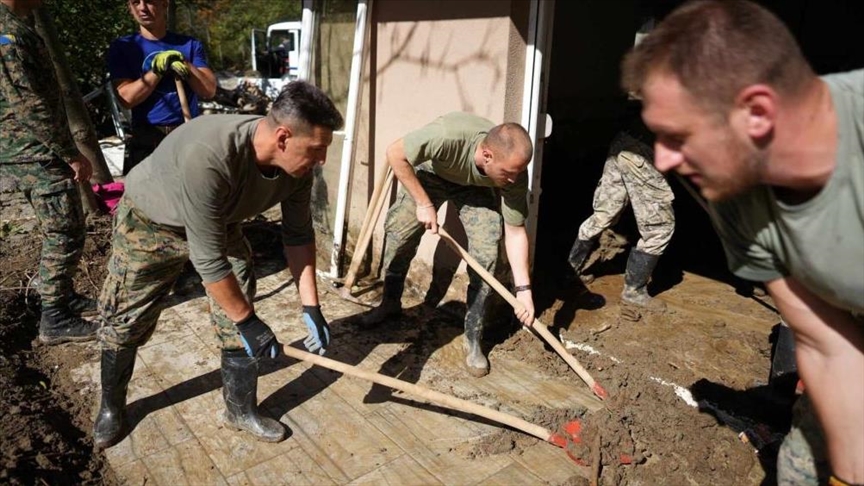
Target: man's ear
x,y
759,106
282,134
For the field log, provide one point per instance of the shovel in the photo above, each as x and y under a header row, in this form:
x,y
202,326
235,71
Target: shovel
x,y
538,326
572,429
184,101
376,204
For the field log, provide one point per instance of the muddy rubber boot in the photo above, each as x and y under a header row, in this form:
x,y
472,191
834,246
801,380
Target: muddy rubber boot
x,y
475,362
640,265
579,253
240,390
390,306
110,425
59,325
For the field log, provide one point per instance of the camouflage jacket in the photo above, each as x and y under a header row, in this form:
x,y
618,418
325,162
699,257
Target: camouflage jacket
x,y
32,114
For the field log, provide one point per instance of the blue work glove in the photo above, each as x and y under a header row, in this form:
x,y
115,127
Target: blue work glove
x,y
257,338
319,330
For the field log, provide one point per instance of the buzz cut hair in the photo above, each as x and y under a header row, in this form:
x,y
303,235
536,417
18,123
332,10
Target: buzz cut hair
x,y
510,139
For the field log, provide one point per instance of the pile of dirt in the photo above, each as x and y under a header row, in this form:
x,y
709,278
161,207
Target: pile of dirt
x,y
44,434
687,383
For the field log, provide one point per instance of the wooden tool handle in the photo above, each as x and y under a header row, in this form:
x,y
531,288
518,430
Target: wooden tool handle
x,y
513,301
376,204
423,393
184,102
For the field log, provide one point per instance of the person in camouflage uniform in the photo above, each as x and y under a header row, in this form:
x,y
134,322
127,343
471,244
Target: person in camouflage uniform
x,y
186,202
39,158
630,177
479,168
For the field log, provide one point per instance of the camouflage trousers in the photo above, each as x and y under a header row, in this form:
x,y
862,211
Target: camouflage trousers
x,y
53,194
802,459
478,209
631,178
146,260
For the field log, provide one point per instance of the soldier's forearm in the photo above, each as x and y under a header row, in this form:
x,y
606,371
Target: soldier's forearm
x,y
516,245
230,297
301,262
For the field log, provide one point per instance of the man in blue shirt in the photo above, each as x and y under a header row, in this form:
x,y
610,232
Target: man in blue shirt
x,y
143,67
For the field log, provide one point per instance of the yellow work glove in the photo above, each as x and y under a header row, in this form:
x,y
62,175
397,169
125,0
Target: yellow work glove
x,y
181,70
172,60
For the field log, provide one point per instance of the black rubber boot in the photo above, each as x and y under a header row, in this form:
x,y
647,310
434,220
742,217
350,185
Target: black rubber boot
x,y
110,426
240,390
59,325
391,303
783,376
475,362
640,265
579,253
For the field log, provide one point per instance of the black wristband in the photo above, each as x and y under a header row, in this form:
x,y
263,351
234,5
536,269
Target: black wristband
x,y
520,288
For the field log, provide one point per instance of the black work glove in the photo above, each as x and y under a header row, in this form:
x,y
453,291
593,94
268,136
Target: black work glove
x,y
257,338
319,330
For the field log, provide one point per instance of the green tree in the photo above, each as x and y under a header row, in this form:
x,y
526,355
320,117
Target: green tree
x,y
225,26
85,30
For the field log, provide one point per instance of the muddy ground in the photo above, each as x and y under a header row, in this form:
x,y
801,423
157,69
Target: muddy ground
x,y
690,401
44,433
710,341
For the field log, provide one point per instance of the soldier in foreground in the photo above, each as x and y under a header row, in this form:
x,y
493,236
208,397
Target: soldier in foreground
x,y
779,153
186,202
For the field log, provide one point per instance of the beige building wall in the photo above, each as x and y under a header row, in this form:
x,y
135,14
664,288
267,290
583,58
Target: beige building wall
x,y
427,58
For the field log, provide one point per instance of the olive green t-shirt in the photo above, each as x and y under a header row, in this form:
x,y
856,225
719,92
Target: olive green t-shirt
x,y
819,242
449,144
203,177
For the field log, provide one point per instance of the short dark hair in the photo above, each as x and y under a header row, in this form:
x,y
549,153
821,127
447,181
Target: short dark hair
x,y
301,106
715,48
509,139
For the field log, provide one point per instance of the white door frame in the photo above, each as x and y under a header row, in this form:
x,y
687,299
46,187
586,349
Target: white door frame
x,y
534,116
